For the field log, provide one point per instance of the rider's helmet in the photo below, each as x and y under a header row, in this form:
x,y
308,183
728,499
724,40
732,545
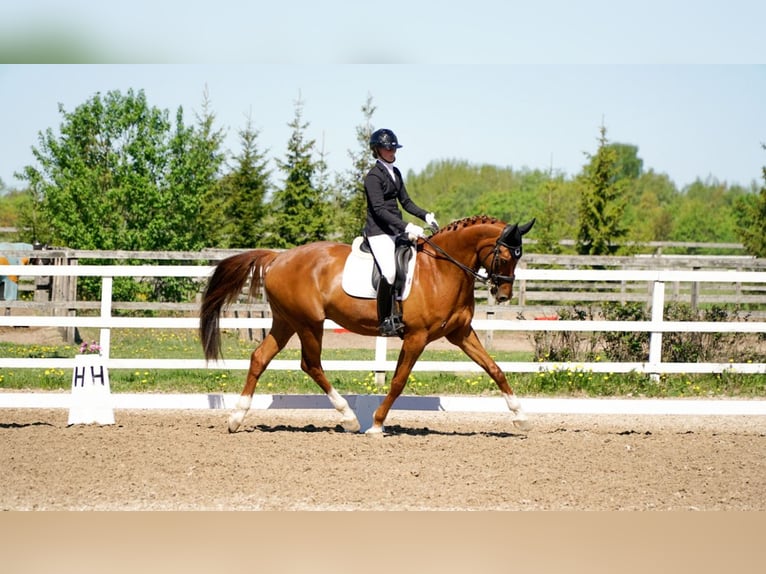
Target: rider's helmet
x,y
383,138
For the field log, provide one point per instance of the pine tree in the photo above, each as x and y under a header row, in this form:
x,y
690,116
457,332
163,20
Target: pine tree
x,y
350,201
602,202
243,193
195,167
547,242
299,212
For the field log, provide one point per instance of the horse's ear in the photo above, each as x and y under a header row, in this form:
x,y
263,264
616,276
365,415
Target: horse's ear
x,y
526,227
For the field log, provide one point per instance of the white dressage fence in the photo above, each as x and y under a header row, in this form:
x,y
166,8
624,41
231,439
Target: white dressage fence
x,y
656,326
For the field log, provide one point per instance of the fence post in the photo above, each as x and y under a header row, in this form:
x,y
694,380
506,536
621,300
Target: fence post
x,y
381,346
522,286
695,297
489,334
106,312
655,338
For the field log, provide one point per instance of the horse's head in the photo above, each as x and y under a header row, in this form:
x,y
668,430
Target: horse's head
x,y
502,262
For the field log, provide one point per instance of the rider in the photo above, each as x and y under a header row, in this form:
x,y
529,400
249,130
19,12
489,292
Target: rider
x,y
383,187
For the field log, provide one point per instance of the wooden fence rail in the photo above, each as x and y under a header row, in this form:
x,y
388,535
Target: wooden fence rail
x,y
656,326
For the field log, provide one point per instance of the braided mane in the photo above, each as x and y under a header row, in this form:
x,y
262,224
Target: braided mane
x,y
467,222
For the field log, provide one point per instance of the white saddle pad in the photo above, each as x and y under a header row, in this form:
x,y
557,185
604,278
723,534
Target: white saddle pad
x,y
357,273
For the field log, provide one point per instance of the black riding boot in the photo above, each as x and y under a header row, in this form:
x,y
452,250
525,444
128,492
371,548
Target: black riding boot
x,y
389,315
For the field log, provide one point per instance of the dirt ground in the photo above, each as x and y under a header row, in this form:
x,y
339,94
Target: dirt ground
x,y
300,460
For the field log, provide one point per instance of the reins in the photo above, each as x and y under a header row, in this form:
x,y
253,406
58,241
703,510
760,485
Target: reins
x,y
451,259
492,276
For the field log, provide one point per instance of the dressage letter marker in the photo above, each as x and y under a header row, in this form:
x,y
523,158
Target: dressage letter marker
x,y
91,399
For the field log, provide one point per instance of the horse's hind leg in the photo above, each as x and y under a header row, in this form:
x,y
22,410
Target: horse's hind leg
x,y
311,363
277,338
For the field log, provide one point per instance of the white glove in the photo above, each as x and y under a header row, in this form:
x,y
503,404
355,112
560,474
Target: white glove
x,y
431,220
413,231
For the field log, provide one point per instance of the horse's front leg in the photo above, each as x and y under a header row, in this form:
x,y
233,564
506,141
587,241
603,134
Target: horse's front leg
x,y
471,346
412,347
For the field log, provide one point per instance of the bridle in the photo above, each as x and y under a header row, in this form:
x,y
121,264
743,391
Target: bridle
x,y
493,277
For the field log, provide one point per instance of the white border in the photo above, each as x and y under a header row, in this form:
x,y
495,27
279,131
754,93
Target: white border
x,y
199,401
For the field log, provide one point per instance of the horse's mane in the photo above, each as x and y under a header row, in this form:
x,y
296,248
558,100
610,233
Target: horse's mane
x,y
467,222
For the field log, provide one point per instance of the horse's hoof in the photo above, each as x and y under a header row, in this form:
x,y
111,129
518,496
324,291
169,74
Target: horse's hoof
x,y
522,424
235,421
351,425
374,431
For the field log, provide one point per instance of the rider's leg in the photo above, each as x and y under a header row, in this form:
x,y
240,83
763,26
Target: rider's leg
x,y
388,311
383,249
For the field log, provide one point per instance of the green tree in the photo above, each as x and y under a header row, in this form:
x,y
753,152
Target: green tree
x,y
349,201
193,182
299,212
704,212
552,219
9,208
750,212
649,212
118,177
97,181
628,164
602,202
243,194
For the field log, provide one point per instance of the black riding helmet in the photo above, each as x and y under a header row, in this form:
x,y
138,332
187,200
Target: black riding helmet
x,y
383,138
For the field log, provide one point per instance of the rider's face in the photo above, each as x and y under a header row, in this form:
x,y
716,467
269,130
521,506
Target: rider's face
x,y
387,155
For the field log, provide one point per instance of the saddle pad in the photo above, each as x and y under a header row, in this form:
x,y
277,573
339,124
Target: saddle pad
x,y
357,273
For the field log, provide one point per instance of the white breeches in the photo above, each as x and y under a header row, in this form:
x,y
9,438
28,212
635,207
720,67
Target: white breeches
x,y
383,247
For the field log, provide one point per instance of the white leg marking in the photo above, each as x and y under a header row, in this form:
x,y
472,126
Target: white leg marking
x,y
236,418
348,420
519,416
374,431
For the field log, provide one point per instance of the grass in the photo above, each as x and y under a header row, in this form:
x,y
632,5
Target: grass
x,y
166,344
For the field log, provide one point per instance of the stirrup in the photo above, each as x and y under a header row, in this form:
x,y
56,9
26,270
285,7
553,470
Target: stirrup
x,y
391,327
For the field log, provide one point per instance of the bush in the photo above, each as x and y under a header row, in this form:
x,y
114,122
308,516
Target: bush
x,y
704,347
633,346
625,346
565,346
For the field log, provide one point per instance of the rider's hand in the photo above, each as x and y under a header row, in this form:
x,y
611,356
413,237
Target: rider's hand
x,y
431,220
413,231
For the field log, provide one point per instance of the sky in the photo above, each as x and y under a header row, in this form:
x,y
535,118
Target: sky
x,y
688,121
502,82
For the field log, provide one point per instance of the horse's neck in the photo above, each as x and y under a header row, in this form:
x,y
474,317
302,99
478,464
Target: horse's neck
x,y
464,245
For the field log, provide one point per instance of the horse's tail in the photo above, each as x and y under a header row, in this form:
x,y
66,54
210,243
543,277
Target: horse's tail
x,y
223,288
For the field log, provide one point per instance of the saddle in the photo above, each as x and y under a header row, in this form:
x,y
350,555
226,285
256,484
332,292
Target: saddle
x,y
361,275
403,252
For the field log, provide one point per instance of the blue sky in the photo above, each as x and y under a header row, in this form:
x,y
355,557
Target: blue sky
x,y
688,121
402,31
505,82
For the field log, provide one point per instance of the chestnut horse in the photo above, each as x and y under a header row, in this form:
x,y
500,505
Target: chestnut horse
x,y
303,288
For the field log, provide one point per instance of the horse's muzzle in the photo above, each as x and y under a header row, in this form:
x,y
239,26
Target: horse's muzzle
x,y
502,287
502,298
502,293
